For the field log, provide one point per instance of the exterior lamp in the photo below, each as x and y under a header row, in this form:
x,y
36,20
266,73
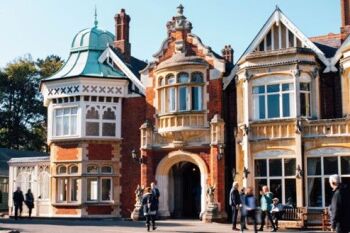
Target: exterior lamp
x,y
299,172
246,172
136,158
221,151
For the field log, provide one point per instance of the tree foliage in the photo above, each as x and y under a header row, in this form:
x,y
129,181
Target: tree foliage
x,y
22,114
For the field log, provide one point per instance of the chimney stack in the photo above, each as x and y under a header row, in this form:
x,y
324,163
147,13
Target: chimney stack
x,y
227,53
122,42
345,19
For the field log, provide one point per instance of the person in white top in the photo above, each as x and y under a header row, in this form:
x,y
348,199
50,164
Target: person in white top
x,y
276,211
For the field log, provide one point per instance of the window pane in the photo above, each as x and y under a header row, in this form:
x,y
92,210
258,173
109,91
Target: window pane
x,y
273,106
268,41
260,168
258,89
92,114
330,165
106,169
276,188
275,167
345,165
259,106
171,99
305,86
313,166
62,189
290,39
92,128
74,111
197,98
287,86
74,169
74,190
285,105
108,129
183,98
305,104
290,189
314,192
183,78
328,191
109,114
59,126
62,170
73,125
65,125
92,169
92,190
106,190
197,77
273,88
59,112
289,167
170,79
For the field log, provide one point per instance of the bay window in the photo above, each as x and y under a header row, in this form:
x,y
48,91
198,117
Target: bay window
x,y
273,101
65,121
182,93
101,121
99,183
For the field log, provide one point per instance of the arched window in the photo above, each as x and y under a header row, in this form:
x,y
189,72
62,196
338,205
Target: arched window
x,y
106,169
183,77
197,77
92,169
61,170
73,169
109,122
160,81
197,96
92,121
170,79
43,185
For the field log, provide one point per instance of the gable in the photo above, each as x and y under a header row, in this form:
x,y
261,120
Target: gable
x,y
278,33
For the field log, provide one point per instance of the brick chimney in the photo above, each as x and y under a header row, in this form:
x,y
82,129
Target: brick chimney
x,y
227,53
121,42
345,19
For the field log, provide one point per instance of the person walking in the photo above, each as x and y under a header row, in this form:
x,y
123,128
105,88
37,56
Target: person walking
x,y
29,202
243,210
149,204
249,209
265,202
18,202
340,205
234,202
156,194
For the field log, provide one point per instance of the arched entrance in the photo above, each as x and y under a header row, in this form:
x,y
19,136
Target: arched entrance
x,y
184,190
194,172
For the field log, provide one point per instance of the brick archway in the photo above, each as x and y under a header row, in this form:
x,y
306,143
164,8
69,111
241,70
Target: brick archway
x,y
162,177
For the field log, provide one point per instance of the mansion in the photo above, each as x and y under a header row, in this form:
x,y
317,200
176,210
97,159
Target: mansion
x,y
192,121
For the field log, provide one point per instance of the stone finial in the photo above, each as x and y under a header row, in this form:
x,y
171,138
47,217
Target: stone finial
x,y
180,10
95,22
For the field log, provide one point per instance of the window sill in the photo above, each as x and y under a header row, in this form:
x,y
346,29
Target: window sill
x,y
182,113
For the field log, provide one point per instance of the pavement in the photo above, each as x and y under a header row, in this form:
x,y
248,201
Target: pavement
x,y
109,225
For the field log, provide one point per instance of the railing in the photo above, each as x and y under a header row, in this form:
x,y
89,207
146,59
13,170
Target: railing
x,y
181,121
333,127
272,129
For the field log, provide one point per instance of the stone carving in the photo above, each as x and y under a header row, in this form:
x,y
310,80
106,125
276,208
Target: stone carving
x,y
210,193
138,194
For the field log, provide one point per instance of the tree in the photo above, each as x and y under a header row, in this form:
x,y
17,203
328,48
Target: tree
x,y
22,114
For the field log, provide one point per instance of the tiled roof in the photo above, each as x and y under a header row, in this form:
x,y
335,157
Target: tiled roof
x,y
330,40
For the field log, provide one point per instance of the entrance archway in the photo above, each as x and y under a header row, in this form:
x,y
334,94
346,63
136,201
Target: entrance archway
x,y
163,174
184,190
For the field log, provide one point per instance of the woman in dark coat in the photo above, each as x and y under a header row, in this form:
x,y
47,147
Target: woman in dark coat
x,y
149,204
29,202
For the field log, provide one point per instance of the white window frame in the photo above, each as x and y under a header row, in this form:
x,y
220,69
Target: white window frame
x,y
71,183
62,185
282,178
280,96
111,188
87,186
76,115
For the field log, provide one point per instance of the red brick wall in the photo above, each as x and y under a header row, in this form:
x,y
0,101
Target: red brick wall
x,y
99,210
66,210
100,151
133,116
67,152
215,98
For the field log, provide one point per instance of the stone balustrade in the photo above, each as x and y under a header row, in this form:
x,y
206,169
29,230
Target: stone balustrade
x,y
181,121
276,129
331,127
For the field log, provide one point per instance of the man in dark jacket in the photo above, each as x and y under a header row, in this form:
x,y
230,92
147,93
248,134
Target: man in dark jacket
x,y
340,206
235,201
18,199
149,208
156,194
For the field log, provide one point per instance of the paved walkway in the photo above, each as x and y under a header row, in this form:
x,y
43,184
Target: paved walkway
x,y
104,226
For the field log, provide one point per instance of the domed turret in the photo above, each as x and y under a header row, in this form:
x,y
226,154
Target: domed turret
x,y
92,39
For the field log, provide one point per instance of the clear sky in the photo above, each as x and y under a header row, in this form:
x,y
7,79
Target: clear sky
x,y
44,27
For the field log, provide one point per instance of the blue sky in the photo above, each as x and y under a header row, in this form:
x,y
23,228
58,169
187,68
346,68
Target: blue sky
x,y
44,27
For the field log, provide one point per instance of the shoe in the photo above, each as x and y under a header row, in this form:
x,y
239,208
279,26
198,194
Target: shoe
x,y
235,229
245,228
261,229
154,228
274,230
148,228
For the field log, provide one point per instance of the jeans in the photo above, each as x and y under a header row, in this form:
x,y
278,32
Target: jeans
x,y
18,208
234,216
250,214
150,218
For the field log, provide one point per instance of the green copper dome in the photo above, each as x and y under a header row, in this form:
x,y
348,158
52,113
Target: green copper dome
x,y
93,39
86,48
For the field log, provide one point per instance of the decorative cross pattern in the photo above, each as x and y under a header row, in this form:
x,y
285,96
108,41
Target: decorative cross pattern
x,y
94,89
56,91
110,90
85,88
76,88
118,90
50,92
69,89
102,90
63,90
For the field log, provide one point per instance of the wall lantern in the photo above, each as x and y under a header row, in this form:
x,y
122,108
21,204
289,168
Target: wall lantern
x,y
221,151
299,172
246,172
137,158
